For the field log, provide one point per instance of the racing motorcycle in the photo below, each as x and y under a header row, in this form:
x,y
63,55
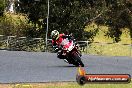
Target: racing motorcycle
x,y
70,50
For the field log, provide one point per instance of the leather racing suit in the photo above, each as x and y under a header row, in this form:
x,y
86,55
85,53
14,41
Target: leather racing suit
x,y
57,44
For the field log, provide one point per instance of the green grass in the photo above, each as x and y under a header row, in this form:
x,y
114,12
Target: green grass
x,y
114,49
109,49
65,85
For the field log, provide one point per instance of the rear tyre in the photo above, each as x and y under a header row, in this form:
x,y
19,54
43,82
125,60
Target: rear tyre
x,y
77,60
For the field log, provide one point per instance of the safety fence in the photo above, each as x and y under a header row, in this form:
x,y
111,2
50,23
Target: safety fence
x,y
14,43
109,49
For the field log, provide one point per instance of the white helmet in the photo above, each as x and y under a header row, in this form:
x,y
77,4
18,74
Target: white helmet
x,y
55,34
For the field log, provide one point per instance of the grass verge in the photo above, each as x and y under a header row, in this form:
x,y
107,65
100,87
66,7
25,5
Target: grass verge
x,y
65,85
122,48
109,49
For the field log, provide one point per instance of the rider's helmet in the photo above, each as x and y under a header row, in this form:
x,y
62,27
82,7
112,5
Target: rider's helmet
x,y
55,34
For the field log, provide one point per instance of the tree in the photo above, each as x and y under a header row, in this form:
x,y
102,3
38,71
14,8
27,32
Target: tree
x,y
2,7
119,16
73,15
36,12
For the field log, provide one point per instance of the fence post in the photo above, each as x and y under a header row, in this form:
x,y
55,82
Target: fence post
x,y
130,50
7,43
87,48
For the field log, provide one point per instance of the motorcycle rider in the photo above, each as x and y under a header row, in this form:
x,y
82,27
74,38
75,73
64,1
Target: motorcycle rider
x,y
56,42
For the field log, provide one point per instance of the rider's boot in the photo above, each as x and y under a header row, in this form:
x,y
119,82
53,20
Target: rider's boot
x,y
66,60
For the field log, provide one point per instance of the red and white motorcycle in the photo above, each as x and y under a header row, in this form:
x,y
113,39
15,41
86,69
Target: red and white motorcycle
x,y
71,52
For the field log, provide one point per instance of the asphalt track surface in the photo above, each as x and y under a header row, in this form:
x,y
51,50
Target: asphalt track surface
x,y
20,66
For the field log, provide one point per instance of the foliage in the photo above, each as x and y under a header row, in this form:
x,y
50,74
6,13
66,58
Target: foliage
x,y
15,25
119,16
1,7
72,16
36,12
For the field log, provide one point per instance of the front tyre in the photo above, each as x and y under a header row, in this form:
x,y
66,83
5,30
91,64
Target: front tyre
x,y
77,60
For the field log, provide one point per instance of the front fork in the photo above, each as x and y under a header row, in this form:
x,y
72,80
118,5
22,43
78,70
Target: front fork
x,y
75,50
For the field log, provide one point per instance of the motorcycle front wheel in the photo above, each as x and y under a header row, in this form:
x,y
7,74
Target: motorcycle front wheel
x,y
77,60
